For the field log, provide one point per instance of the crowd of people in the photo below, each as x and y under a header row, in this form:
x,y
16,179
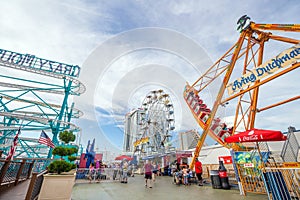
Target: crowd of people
x,y
180,172
183,175
94,173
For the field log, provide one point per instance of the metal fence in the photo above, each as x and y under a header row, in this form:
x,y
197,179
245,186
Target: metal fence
x,y
19,169
100,174
282,183
41,165
35,185
278,181
251,179
290,148
14,171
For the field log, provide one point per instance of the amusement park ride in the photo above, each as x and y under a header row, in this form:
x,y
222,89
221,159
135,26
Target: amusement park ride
x,y
245,61
156,124
34,96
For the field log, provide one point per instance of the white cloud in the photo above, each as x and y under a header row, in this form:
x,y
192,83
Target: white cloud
x,y
48,30
70,31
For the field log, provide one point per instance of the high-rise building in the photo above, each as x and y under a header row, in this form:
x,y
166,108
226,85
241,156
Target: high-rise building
x,y
188,140
131,129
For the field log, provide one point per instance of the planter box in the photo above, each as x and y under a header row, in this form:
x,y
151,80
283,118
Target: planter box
x,y
57,186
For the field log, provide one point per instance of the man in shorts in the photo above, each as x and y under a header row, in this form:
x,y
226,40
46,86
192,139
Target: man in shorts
x,y
148,174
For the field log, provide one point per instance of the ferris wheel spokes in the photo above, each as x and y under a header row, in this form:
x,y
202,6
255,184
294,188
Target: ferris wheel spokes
x,y
155,124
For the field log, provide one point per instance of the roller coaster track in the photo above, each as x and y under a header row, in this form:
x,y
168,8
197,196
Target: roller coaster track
x,y
36,119
76,112
24,87
80,87
24,102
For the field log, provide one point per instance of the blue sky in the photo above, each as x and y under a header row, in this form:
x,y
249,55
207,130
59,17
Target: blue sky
x,y
76,32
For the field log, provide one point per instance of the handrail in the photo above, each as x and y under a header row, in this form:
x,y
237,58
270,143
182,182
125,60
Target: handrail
x,y
35,185
12,172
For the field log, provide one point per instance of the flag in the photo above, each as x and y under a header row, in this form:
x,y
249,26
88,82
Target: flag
x,y
13,146
44,139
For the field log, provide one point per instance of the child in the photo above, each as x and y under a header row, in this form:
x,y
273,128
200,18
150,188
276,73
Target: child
x,y
185,175
178,177
190,176
91,171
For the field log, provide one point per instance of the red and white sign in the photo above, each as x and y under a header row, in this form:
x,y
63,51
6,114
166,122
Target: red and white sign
x,y
226,159
256,135
246,165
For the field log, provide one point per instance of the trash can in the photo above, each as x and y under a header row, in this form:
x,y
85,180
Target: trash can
x,y
215,179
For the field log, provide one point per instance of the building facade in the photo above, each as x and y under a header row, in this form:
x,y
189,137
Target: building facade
x,y
131,129
188,139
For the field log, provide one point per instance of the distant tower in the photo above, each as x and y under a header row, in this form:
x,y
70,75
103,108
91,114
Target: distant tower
x,y
131,130
188,139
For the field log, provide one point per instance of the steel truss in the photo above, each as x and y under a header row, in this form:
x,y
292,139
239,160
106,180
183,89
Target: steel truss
x,y
243,60
33,100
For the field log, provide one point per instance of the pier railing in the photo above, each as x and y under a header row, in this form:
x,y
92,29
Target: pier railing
x,y
20,169
35,185
100,173
13,172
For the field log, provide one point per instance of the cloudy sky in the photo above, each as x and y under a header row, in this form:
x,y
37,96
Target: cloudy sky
x,y
128,48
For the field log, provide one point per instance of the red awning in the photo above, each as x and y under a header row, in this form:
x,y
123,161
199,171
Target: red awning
x,y
256,135
122,157
183,154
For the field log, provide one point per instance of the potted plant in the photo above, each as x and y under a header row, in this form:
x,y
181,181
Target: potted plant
x,y
59,166
58,184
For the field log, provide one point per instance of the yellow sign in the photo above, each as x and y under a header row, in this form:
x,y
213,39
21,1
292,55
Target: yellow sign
x,y
282,60
291,165
141,141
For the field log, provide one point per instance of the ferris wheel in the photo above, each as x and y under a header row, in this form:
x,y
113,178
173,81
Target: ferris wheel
x,y
156,123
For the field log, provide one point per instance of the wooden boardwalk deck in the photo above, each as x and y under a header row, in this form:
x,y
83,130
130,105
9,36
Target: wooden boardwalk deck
x,y
17,192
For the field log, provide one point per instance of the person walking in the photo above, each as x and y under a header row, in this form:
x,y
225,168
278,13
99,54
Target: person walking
x,y
91,172
198,171
124,171
154,173
148,174
98,165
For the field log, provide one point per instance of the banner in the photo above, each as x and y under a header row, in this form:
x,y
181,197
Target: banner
x,y
141,141
284,59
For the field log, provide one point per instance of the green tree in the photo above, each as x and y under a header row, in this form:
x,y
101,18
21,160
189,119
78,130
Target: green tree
x,y
61,165
67,136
